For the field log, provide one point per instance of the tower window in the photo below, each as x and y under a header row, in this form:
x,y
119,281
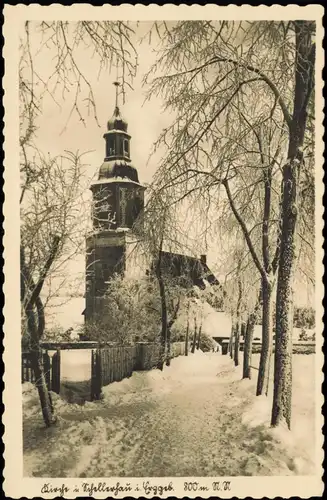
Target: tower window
x,y
111,147
121,152
126,147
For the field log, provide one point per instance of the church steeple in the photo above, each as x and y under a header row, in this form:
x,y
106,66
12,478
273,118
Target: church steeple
x,y
118,200
117,154
117,180
117,139
117,122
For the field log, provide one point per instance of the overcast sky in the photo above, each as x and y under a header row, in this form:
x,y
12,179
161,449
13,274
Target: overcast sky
x,y
145,119
145,122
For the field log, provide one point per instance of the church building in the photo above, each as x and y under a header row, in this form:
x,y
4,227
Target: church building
x,y
118,199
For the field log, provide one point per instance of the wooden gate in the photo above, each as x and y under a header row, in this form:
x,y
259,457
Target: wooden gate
x,y
47,369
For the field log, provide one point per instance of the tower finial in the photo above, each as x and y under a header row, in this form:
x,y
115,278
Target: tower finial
x,y
117,84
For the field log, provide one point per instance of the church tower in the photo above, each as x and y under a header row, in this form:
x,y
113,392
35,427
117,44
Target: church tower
x,y
118,199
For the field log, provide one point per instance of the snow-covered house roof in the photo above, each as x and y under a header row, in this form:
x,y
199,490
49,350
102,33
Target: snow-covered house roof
x,y
194,270
213,323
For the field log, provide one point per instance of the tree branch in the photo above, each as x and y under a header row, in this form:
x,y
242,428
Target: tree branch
x,y
37,290
174,315
244,229
267,80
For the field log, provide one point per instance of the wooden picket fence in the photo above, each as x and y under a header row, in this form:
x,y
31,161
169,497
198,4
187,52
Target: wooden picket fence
x,y
112,364
109,363
27,370
51,367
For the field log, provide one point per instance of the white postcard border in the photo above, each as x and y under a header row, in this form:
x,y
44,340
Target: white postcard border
x,y
15,485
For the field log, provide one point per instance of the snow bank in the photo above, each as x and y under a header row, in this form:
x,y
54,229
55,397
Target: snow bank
x,y
27,388
30,399
292,450
259,413
182,371
216,425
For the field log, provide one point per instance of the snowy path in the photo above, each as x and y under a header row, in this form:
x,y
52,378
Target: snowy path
x,y
184,421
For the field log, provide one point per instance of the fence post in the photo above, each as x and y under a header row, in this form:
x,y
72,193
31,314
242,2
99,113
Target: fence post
x,y
114,364
118,364
92,374
22,366
55,385
96,369
131,361
127,350
98,374
121,353
123,362
47,369
111,365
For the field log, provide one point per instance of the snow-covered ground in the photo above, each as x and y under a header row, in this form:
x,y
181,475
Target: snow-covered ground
x,y
196,418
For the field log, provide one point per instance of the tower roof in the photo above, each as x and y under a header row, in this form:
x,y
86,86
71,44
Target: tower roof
x,y
117,162
118,168
117,122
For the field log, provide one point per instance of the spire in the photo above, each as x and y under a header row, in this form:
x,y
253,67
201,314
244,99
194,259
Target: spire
x,y
117,84
117,122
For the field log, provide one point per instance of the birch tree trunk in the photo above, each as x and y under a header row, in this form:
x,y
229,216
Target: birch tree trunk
x,y
247,356
33,308
267,337
169,327
248,339
199,338
40,380
231,341
187,328
164,319
282,400
168,357
194,336
237,344
304,81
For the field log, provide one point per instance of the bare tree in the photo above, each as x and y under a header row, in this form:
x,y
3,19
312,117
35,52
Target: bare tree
x,y
248,339
194,335
199,337
231,341
215,70
175,303
304,82
238,321
48,215
111,42
156,230
50,187
187,328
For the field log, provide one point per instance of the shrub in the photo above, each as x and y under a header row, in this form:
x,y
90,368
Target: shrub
x,y
131,313
206,343
303,335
